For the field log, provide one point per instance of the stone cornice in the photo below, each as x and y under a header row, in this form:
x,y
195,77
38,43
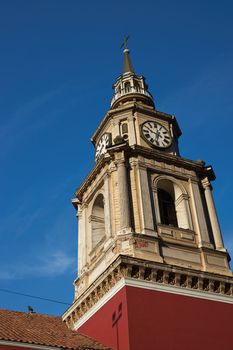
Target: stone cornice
x,y
136,107
134,151
108,116
97,168
156,273
165,116
91,176
173,159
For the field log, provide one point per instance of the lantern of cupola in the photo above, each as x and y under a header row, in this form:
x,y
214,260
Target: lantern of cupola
x,y
130,86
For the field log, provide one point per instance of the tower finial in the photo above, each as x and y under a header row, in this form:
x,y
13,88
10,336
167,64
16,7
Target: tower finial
x,y
128,67
124,44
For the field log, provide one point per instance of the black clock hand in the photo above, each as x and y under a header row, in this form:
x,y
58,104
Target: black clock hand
x,y
158,135
149,129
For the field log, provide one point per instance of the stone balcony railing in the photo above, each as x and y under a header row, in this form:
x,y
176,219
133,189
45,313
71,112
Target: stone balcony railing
x,y
130,90
176,234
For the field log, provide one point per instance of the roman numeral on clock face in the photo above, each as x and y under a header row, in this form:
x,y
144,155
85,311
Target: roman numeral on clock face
x,y
156,134
102,145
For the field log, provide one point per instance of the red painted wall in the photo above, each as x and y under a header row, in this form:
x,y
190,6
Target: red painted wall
x,y
157,320
110,324
167,321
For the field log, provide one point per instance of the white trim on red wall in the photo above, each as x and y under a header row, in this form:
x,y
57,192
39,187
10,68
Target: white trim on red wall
x,y
155,287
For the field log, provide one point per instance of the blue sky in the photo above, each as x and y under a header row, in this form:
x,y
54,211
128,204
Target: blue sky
x,y
57,65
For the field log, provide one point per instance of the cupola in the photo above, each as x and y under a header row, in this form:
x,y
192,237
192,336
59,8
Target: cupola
x,y
130,86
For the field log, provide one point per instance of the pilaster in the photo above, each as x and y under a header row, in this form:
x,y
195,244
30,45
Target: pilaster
x,y
82,237
147,222
123,193
156,200
199,217
132,132
115,128
213,215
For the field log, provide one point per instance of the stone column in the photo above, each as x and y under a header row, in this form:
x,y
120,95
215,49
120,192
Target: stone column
x,y
145,202
123,195
213,215
156,201
107,208
199,216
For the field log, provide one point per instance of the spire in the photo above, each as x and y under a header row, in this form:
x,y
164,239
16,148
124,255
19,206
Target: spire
x,y
128,67
130,86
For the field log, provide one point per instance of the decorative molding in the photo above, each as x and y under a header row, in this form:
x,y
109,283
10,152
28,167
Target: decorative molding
x,y
183,196
140,151
206,183
161,277
139,283
169,288
131,118
118,286
92,176
174,180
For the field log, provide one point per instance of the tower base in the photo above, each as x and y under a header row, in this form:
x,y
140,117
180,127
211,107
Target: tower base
x,y
137,305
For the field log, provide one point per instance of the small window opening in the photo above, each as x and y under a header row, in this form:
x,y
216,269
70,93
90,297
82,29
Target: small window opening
x,y
124,128
137,86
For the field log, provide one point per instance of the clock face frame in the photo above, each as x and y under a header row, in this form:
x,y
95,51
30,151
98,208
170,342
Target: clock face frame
x,y
101,147
155,134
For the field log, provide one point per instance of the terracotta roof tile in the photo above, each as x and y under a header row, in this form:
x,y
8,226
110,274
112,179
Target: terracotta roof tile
x,y
26,327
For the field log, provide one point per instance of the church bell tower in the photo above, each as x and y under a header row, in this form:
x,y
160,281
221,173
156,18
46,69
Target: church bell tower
x,y
150,251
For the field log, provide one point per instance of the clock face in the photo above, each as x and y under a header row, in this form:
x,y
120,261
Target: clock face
x,y
102,145
156,134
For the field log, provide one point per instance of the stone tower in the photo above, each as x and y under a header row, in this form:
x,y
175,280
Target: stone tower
x,y
146,224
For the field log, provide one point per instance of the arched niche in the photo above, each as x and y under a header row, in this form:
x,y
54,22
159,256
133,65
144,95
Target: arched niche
x,y
97,220
127,87
171,203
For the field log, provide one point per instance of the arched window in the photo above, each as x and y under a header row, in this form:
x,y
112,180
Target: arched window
x,y
172,203
137,86
167,208
127,87
97,220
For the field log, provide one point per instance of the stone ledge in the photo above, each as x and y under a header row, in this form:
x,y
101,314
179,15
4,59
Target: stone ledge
x,y
128,267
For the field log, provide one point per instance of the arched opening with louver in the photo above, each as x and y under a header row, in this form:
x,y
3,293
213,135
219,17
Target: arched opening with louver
x,y
167,208
172,203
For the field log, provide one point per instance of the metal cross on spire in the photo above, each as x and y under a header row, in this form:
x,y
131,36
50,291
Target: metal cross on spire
x,y
124,44
128,67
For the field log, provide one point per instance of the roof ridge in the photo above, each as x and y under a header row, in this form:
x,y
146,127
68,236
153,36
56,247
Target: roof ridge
x,y
28,312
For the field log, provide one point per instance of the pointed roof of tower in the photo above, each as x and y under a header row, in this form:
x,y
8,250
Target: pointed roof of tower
x,y
128,67
129,86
